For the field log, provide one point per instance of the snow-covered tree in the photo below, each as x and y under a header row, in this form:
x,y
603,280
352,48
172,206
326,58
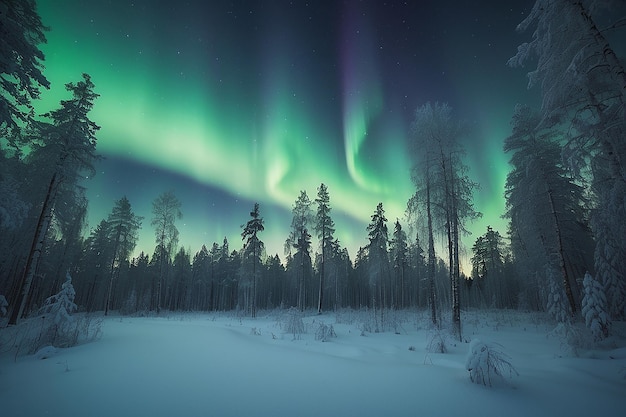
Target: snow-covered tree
x,y
557,304
487,362
61,305
583,89
444,192
300,240
545,205
610,251
165,212
71,136
594,308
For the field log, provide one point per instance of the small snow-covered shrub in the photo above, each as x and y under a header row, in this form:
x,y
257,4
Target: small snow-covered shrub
x,y
32,334
56,314
61,305
56,326
369,324
595,308
293,323
46,352
324,332
573,337
487,362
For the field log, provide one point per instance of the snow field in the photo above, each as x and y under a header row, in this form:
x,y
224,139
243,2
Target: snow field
x,y
221,365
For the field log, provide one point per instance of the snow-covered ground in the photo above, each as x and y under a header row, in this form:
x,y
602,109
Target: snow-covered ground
x,y
222,365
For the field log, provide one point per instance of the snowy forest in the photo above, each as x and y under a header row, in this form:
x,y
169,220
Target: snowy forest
x,y
564,251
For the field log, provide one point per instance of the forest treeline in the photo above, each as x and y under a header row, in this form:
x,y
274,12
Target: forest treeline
x,y
564,251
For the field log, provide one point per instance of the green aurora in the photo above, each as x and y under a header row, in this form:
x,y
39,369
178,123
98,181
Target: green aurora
x,y
257,101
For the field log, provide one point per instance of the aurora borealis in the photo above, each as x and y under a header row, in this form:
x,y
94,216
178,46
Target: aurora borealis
x,y
234,102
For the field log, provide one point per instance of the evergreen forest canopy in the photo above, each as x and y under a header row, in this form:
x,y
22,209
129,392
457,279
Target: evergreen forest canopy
x,y
564,251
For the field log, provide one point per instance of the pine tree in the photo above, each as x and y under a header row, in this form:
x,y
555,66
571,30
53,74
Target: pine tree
x,y
95,263
252,251
72,134
378,259
123,226
325,228
488,265
201,269
399,253
180,292
21,61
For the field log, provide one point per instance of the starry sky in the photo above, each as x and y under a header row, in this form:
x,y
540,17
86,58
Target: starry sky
x,y
228,103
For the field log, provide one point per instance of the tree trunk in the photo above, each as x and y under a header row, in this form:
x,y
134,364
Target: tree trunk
x,y
321,292
561,253
254,281
456,275
431,258
112,271
35,250
617,71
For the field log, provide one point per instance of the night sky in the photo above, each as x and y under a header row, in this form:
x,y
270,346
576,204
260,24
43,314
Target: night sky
x,y
234,102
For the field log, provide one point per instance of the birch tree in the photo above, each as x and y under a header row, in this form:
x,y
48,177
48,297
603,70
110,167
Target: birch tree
x,y
165,212
444,191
